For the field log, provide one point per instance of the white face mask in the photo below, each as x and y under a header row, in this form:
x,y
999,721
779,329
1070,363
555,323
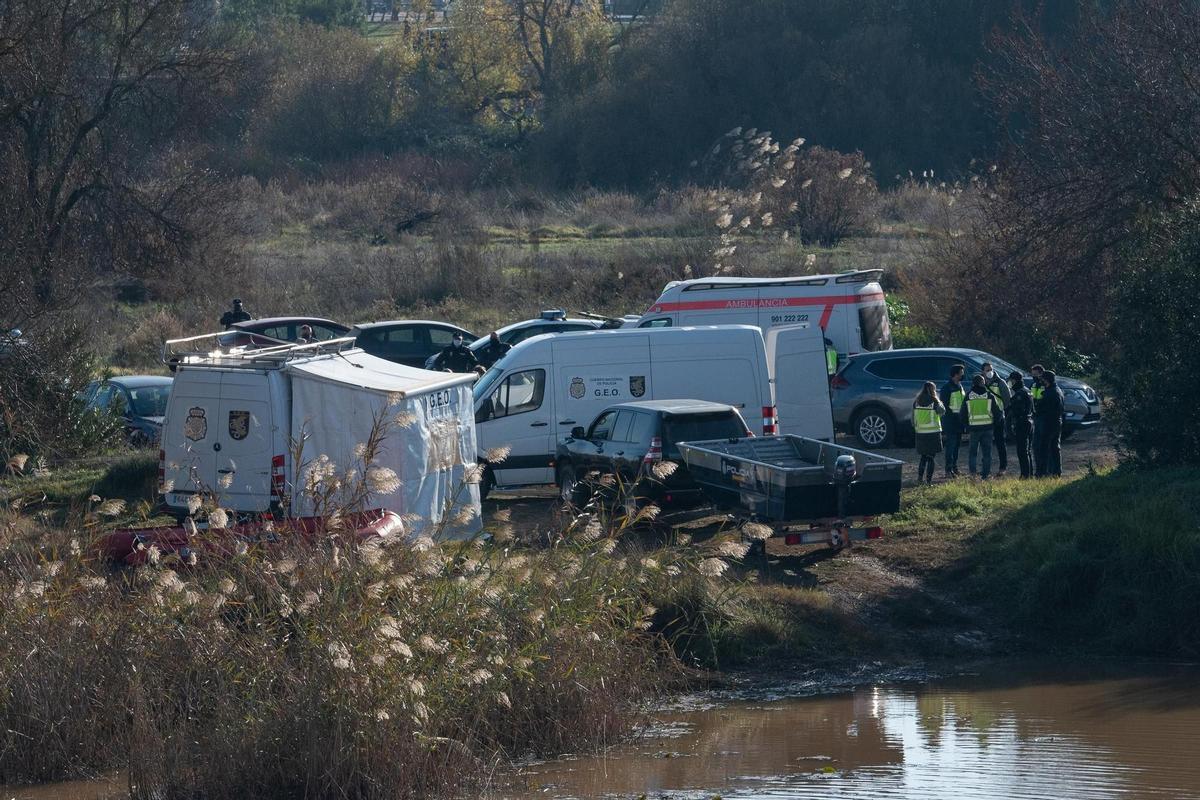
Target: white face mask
x,y
987,375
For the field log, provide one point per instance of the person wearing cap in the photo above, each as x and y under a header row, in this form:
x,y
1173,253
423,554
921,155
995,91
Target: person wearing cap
x,y
305,335
1050,411
234,315
1020,418
1003,395
952,395
493,351
457,357
979,416
1036,391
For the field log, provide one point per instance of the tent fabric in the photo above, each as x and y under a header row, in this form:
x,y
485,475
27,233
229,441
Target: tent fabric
x,y
428,426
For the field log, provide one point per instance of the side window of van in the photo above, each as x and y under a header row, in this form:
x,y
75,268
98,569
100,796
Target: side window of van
x,y
520,392
661,322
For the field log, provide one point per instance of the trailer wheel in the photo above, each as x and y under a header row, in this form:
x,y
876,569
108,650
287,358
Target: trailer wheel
x,y
874,427
571,490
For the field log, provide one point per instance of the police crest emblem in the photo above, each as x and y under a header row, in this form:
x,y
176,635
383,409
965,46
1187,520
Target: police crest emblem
x,y
195,427
239,425
637,385
577,389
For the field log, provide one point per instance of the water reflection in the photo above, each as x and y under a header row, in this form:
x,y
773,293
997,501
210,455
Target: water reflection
x,y
1057,734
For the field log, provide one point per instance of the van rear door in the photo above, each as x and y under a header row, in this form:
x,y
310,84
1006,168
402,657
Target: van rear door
x,y
243,442
189,433
796,355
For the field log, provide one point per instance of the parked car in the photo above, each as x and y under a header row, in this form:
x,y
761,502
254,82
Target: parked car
x,y
140,400
627,440
552,321
407,341
873,393
271,331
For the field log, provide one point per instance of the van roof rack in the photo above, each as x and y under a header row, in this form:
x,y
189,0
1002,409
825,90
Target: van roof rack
x,y
206,350
701,284
860,276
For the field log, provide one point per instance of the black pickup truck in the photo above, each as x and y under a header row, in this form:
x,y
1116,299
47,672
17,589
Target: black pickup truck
x,y
630,442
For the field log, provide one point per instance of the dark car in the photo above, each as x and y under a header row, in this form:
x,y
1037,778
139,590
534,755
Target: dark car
x,y
407,341
139,400
553,321
629,440
873,393
272,331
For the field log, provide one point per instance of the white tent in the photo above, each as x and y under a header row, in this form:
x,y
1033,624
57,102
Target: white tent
x,y
336,402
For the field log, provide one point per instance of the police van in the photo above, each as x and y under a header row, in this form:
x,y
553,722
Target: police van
x,y
238,420
547,385
849,308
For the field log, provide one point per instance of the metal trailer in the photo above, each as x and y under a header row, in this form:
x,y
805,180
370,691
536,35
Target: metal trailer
x,y
806,490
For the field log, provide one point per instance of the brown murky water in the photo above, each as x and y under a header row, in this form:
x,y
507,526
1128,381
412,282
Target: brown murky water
x,y
1012,733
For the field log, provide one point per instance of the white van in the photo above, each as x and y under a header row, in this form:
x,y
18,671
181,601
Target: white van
x,y
850,308
234,421
548,385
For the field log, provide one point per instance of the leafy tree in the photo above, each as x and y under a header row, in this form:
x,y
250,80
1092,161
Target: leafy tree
x,y
101,102
1155,367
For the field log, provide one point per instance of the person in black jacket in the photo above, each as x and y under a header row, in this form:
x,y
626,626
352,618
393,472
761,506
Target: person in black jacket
x,y
952,395
235,314
1050,412
457,357
1020,417
493,351
978,412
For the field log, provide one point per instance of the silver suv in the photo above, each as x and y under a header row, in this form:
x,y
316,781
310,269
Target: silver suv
x,y
874,392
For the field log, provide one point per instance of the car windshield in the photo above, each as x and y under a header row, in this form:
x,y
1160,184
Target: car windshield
x,y
699,428
150,401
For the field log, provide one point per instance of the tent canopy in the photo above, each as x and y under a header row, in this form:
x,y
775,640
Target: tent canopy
x,y
428,432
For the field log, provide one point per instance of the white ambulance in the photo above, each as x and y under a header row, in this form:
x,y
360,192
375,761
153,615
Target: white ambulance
x,y
547,385
236,422
850,308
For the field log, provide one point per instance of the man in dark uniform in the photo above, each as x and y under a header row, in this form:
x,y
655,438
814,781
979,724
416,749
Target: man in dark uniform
x,y
952,396
235,314
1050,411
493,351
457,357
1020,416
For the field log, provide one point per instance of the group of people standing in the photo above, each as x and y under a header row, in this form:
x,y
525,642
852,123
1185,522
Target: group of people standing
x,y
989,411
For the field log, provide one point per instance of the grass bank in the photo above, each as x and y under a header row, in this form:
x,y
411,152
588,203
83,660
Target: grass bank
x,y
1102,562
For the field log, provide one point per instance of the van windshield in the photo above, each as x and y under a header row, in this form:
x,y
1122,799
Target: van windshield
x,y
699,428
876,332
483,387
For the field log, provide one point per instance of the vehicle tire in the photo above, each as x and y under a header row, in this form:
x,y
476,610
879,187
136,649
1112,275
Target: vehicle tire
x,y
874,427
487,482
138,440
571,490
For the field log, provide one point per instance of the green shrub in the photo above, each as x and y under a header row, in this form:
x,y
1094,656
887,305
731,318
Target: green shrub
x,y
1154,372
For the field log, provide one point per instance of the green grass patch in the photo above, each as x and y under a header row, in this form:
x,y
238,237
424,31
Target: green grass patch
x,y
1110,561
129,477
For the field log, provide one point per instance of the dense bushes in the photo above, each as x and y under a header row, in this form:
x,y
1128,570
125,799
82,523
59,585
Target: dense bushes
x,y
1154,369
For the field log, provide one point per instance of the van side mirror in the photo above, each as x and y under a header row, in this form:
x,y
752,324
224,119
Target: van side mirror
x,y
578,432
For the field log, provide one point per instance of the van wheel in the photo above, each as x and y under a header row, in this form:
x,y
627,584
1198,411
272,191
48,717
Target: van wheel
x,y
875,428
570,489
487,482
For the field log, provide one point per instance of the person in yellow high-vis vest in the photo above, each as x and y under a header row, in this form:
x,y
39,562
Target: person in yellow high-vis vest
x,y
831,358
952,395
927,423
999,388
1037,392
979,416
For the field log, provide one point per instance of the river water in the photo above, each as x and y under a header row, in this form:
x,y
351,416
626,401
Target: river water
x,y
1011,732
1006,731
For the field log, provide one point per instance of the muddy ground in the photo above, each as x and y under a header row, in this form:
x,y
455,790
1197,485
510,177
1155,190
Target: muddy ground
x,y
892,599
